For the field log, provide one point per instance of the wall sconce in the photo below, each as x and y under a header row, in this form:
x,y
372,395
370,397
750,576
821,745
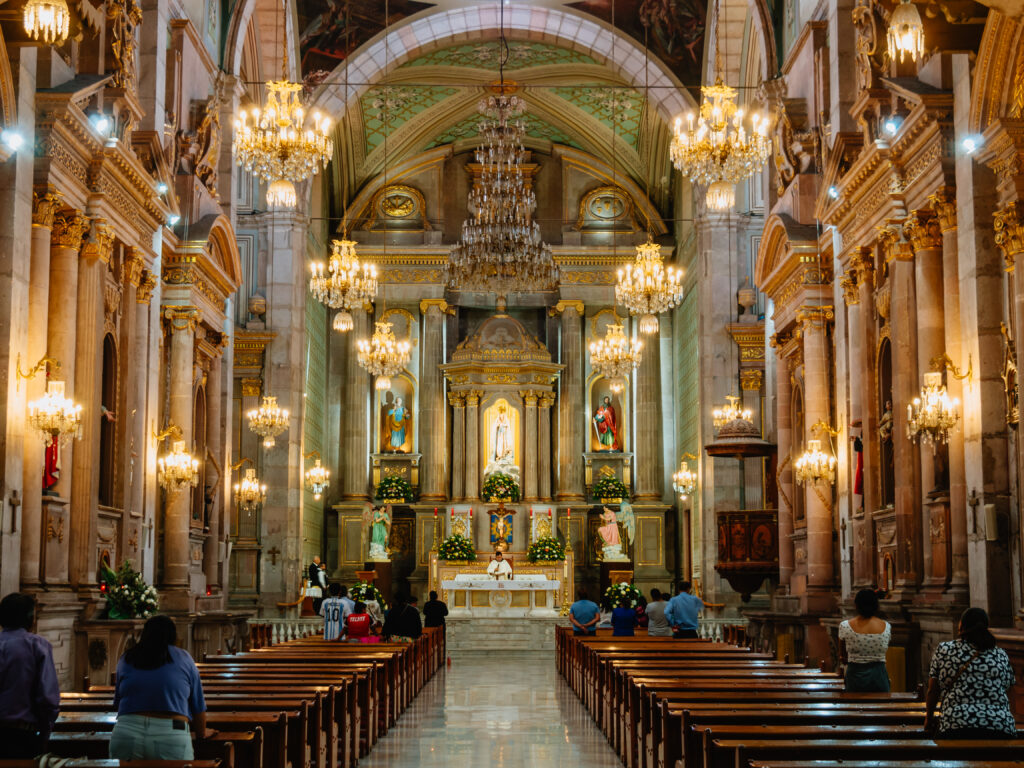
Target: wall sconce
x,y
317,476
684,482
177,468
249,491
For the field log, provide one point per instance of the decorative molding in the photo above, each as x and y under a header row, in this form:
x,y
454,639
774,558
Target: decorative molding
x,y
134,264
944,204
922,229
565,304
45,207
100,244
252,387
147,282
440,305
182,318
751,379
68,229
1009,228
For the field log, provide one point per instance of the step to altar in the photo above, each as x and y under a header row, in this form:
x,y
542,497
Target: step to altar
x,y
467,634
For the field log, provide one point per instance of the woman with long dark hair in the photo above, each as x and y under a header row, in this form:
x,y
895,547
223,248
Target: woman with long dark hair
x,y
159,698
970,676
863,642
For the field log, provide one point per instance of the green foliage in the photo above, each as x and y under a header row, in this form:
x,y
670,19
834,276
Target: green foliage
x,y
616,592
501,486
363,591
456,547
546,548
610,488
128,594
395,487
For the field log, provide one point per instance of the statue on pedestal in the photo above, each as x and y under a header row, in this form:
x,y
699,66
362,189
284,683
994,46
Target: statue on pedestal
x,y
611,541
379,521
605,426
396,422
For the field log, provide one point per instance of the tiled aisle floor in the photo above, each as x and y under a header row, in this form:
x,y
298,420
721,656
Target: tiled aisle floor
x,y
495,710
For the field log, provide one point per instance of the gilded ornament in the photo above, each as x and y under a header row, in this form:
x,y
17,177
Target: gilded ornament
x,y
944,203
751,379
251,387
439,306
922,229
457,399
44,208
529,397
68,229
147,282
1009,228
851,291
134,264
182,318
100,243
124,17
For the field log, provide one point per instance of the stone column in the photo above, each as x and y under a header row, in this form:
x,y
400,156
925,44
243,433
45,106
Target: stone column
x,y
355,417
432,405
182,322
818,498
648,419
784,475
139,439
473,444
570,403
214,440
44,208
458,403
85,467
530,446
862,263
131,407
547,400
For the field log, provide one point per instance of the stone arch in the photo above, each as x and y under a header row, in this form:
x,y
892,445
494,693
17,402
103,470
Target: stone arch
x,y
999,73
264,15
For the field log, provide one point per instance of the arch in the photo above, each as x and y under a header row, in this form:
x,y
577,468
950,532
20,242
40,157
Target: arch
x,y
781,238
1000,66
263,18
216,232
419,33
108,429
8,102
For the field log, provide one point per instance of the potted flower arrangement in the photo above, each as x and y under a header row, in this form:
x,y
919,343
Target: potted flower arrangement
x,y
617,592
501,487
546,549
364,591
610,490
394,490
128,595
456,548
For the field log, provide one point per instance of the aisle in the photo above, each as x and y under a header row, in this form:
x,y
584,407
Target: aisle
x,y
497,710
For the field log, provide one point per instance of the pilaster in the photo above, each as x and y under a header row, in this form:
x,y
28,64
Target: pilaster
x,y
457,400
570,403
432,404
473,444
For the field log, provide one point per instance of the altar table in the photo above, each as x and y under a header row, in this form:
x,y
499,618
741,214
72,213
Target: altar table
x,y
501,595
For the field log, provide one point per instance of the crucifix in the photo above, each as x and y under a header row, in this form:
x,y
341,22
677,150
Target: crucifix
x,y
273,555
15,502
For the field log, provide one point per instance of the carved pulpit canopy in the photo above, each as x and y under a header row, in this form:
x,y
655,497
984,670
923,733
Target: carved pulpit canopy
x,y
501,339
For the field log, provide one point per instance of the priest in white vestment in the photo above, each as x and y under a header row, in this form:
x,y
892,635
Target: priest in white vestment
x,y
499,567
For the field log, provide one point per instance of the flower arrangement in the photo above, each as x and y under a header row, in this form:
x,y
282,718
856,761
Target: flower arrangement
x,y
128,594
499,486
364,591
617,592
395,487
546,548
610,488
456,547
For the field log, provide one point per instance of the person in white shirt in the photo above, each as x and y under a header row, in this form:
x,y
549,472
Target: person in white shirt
x,y
499,567
348,603
333,611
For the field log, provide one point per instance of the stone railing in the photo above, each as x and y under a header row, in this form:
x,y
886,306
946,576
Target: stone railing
x,y
715,628
271,631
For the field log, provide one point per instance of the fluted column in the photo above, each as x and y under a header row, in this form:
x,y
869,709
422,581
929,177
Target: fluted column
x,y
570,403
355,416
458,403
85,467
473,443
139,441
182,322
44,209
649,460
544,448
214,441
863,265
131,408
530,446
784,431
432,405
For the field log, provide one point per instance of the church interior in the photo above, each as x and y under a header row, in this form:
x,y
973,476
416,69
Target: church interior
x,y
632,292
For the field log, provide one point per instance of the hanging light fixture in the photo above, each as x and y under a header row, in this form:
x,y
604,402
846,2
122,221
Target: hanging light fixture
x,y
317,476
684,481
344,283
382,355
55,416
176,469
281,194
250,492
932,415
615,356
719,150
814,465
647,287
731,412
906,32
269,420
48,20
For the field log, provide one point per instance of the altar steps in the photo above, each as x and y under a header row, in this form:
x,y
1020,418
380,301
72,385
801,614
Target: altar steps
x,y
485,634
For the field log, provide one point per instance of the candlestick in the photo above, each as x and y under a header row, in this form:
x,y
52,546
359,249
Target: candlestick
x,y
435,513
549,513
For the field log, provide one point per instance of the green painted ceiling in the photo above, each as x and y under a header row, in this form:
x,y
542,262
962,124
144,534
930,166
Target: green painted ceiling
x,y
535,127
521,55
401,103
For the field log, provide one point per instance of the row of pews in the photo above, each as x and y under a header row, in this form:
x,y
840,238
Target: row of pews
x,y
306,703
667,703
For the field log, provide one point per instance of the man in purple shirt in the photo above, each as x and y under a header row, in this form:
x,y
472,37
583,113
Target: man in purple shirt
x,y
29,694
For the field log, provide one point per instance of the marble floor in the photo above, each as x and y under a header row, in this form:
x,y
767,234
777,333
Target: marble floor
x,y
494,710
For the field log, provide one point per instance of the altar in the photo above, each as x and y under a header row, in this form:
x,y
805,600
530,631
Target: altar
x,y
526,595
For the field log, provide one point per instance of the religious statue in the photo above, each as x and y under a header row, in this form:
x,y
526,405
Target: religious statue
x,y
503,445
605,426
885,423
396,424
51,467
611,542
379,521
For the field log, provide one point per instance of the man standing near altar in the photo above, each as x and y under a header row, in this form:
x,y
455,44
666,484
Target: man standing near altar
x,y
499,567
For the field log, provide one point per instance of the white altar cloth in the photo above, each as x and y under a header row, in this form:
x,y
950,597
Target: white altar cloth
x,y
500,597
534,585
477,577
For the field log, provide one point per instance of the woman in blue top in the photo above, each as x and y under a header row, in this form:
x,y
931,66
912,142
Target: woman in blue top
x,y
623,620
158,696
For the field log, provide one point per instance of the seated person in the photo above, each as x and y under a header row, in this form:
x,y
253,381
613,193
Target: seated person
x,y
499,567
358,623
623,619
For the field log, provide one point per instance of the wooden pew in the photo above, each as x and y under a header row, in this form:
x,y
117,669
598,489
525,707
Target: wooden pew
x,y
740,753
96,745
86,762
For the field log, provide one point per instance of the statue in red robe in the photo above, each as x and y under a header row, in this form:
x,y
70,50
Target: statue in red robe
x,y
604,424
51,470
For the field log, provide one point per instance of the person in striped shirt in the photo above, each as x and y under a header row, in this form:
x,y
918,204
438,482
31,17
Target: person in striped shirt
x,y
333,611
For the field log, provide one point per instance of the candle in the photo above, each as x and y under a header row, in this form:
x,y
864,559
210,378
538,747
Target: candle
x,y
471,514
549,513
435,513
531,513
453,513
568,513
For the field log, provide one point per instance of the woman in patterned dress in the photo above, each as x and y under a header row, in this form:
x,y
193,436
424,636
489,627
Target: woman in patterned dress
x,y
863,641
971,677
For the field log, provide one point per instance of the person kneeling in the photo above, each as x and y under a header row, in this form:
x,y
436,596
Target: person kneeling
x,y
358,624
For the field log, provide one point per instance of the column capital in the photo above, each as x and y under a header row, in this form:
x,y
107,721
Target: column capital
x,y
181,318
808,317
134,265
530,397
44,207
438,305
944,203
100,243
862,265
565,304
547,399
473,398
922,229
147,282
68,228
851,291
894,247
251,387
457,399
1008,222
751,379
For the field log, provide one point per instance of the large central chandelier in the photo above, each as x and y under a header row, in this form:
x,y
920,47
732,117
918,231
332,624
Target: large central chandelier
x,y
615,356
647,287
345,283
55,416
814,465
931,416
501,250
382,355
269,420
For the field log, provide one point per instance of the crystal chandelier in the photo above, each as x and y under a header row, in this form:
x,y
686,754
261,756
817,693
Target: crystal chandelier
x,y
647,288
249,492
344,283
684,482
48,20
269,420
501,250
382,355
317,477
55,416
615,356
906,32
281,194
731,412
931,416
177,469
814,465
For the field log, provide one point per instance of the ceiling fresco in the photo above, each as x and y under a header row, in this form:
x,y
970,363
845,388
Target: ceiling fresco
x,y
521,55
535,127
